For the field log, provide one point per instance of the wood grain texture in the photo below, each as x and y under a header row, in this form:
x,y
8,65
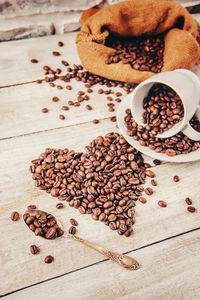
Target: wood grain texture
x,y
170,270
17,191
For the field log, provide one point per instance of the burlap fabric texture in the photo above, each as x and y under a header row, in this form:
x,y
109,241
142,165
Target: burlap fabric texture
x,y
135,18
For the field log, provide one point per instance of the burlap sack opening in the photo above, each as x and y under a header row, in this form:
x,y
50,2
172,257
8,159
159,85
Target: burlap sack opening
x,y
135,18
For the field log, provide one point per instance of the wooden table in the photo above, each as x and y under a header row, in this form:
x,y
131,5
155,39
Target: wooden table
x,y
166,241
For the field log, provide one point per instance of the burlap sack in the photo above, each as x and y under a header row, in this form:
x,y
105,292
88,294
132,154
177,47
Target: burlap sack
x,y
134,18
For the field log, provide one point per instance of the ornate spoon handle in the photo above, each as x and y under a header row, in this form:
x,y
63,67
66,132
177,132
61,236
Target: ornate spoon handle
x,y
123,260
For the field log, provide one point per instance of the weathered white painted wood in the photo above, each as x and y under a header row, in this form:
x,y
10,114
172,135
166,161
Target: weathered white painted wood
x,y
170,270
17,191
21,106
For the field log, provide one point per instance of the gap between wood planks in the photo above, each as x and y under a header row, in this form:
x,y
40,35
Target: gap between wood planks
x,y
16,84
101,261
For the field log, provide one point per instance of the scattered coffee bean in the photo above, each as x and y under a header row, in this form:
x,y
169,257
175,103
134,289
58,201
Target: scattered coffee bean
x,y
118,94
39,81
188,201
118,100
162,203
61,117
70,102
72,230
191,209
56,53
34,249
142,200
150,173
14,216
89,90
148,191
30,207
34,61
55,99
51,84
59,205
88,107
65,63
156,162
154,182
113,119
73,222
68,87
95,121
65,107
100,91
176,178
49,259
60,44
44,110
59,87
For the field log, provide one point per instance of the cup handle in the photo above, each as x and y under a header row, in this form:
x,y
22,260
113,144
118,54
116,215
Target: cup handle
x,y
189,131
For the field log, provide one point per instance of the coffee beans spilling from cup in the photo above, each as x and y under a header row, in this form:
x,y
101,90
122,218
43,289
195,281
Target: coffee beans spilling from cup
x,y
104,182
143,53
178,144
43,224
163,109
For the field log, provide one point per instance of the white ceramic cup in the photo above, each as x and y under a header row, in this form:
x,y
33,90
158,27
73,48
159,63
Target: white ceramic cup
x,y
187,85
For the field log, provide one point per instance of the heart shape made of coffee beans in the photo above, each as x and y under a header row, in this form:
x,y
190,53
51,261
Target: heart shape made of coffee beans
x,y
105,181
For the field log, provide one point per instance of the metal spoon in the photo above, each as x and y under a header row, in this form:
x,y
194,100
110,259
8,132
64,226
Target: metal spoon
x,y
123,260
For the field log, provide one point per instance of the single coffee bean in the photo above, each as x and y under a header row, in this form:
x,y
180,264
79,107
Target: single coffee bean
x,y
100,91
89,107
14,216
34,61
113,119
56,53
162,203
73,222
72,230
154,182
150,173
59,205
30,207
191,209
95,121
188,201
49,259
44,110
50,234
68,87
176,178
55,99
61,117
65,63
60,44
148,191
156,162
142,200
34,249
65,107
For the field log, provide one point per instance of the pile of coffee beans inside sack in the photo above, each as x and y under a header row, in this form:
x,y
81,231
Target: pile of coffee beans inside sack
x,y
104,182
143,53
175,145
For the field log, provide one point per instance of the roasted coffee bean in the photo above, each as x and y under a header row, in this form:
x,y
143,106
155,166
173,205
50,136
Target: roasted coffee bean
x,y
68,87
14,216
150,173
188,201
95,121
154,182
59,205
34,249
148,191
191,209
176,178
65,107
113,119
61,117
56,53
162,203
72,230
30,220
142,200
34,61
50,234
65,63
30,207
60,44
73,222
44,110
49,259
89,107
156,162
55,99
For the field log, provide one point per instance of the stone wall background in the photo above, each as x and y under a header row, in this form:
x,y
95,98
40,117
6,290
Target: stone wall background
x,y
31,18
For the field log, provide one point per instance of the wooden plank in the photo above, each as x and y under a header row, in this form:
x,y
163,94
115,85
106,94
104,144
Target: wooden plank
x,y
21,108
15,65
17,191
169,270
